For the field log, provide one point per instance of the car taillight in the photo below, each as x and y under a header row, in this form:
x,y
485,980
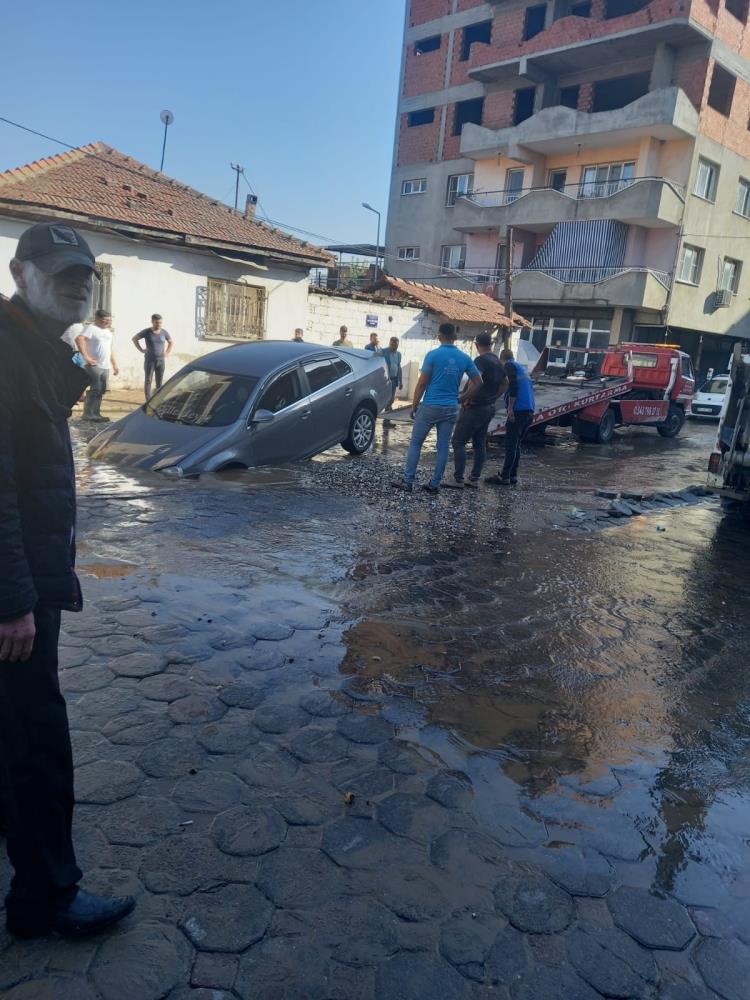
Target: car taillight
x,y
714,462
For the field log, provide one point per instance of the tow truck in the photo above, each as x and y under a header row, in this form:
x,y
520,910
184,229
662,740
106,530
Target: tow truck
x,y
648,384
729,464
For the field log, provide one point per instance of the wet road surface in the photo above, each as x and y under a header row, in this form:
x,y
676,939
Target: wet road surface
x,y
377,745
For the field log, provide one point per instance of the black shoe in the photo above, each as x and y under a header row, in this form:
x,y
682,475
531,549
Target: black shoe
x,y
452,484
429,488
99,419
472,484
82,916
499,481
399,484
389,423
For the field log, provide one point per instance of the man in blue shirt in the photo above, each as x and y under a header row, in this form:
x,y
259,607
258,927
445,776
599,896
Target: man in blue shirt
x,y
519,399
439,382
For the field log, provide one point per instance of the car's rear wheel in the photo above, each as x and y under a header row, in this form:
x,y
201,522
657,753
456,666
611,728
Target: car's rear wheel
x,y
361,431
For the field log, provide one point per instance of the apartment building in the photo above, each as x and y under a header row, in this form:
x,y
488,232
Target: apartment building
x,y
607,141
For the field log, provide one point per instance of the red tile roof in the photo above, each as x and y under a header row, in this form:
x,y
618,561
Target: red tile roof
x,y
456,305
105,186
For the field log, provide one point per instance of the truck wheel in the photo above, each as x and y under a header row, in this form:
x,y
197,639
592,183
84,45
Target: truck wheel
x,y
606,429
584,430
361,431
673,424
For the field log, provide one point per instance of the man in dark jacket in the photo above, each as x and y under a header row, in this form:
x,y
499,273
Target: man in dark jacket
x,y
53,270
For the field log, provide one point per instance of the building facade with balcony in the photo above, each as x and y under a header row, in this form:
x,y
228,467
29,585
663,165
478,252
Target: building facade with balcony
x,y
598,150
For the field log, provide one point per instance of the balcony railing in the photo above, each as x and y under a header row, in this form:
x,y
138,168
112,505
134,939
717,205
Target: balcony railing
x,y
593,275
577,192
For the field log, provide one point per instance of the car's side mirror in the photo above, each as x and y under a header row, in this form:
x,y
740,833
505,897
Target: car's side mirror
x,y
262,417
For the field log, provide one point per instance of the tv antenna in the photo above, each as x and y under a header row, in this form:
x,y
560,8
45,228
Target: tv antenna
x,y
166,119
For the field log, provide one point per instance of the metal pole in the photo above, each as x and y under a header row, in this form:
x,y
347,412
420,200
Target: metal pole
x,y
508,283
238,170
377,251
163,147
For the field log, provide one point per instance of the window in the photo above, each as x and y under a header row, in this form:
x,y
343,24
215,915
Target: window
x,y
342,368
424,117
425,45
513,185
234,310
501,256
612,94
557,179
706,180
619,8
481,32
282,392
417,185
320,373
738,8
690,265
721,91
533,21
569,97
742,201
645,360
459,184
202,399
102,297
730,275
408,253
606,179
523,105
468,113
580,9
453,258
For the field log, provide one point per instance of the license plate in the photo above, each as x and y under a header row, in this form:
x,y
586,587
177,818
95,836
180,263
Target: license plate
x,y
702,409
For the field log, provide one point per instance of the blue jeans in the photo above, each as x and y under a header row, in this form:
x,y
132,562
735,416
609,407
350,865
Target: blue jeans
x,y
442,417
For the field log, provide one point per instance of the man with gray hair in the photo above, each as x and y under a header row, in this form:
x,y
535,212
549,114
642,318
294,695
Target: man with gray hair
x,y
53,270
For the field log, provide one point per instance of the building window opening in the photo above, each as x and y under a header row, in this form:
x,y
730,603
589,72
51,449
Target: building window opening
x,y
408,253
481,32
580,9
569,97
738,8
533,22
619,8
609,95
742,201
414,185
721,91
690,265
523,105
453,258
425,116
458,185
730,275
468,113
558,179
706,180
425,45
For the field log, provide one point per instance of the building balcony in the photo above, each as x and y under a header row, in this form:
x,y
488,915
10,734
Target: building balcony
x,y
662,114
651,202
629,287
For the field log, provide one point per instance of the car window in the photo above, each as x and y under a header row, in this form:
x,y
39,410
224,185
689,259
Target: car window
x,y
282,392
342,368
687,367
201,398
321,373
717,386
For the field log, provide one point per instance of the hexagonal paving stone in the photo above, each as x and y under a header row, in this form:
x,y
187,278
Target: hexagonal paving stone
x,y
227,919
208,791
72,656
416,976
324,704
267,768
318,746
354,842
51,989
451,789
196,708
612,962
283,967
271,631
415,897
401,758
232,734
262,660
365,728
137,728
146,962
299,878
242,695
248,830
121,645
725,967
552,984
413,816
106,781
139,665
652,921
139,821
533,903
473,857
165,687
171,758
107,702
182,864
581,871
466,940
279,719
91,677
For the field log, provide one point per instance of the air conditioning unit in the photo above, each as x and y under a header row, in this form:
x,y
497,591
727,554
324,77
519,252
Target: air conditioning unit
x,y
722,298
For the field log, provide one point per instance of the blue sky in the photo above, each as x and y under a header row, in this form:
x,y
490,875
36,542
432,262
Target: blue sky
x,y
300,92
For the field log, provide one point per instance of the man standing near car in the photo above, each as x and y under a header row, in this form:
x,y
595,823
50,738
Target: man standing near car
x,y
159,344
374,344
439,381
343,340
95,344
392,357
476,414
53,270
519,399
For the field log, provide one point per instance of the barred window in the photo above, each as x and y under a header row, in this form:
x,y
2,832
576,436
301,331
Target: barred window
x,y
235,311
102,297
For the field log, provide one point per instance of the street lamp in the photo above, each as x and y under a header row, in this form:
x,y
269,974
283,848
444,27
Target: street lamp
x,y
377,243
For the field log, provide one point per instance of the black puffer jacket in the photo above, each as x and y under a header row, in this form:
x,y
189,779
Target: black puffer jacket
x,y
38,386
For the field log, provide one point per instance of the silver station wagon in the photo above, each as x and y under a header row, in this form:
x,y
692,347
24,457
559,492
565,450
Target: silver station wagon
x,y
253,404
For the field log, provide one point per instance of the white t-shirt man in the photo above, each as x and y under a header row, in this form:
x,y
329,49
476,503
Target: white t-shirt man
x,y
99,344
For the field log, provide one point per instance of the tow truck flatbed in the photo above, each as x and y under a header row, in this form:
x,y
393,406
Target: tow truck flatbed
x,y
564,397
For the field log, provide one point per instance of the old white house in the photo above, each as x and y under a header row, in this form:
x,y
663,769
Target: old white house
x,y
215,274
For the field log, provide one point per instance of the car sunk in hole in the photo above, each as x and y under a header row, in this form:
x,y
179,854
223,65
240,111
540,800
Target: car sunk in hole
x,y
261,403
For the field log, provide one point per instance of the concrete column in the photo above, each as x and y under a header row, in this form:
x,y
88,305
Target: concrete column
x,y
649,157
661,72
559,9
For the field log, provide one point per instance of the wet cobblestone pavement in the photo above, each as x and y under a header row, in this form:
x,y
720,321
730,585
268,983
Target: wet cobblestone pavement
x,y
348,745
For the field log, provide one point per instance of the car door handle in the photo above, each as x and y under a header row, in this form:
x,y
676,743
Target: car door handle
x,y
305,414
349,391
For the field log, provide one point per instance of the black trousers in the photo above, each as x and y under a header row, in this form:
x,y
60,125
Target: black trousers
x,y
472,425
515,431
153,368
36,775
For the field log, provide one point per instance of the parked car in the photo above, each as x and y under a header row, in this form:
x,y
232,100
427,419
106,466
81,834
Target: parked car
x,y
252,404
709,399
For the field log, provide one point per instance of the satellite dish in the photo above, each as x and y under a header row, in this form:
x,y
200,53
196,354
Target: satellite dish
x,y
166,117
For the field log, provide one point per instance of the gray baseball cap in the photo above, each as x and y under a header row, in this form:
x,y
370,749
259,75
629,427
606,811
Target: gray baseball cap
x,y
53,247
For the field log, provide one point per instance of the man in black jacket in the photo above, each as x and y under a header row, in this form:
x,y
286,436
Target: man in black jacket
x,y
53,271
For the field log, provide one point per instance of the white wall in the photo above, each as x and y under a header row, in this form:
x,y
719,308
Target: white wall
x,y
148,279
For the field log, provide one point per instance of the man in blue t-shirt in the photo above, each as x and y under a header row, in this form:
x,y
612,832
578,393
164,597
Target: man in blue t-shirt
x,y
439,381
519,400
